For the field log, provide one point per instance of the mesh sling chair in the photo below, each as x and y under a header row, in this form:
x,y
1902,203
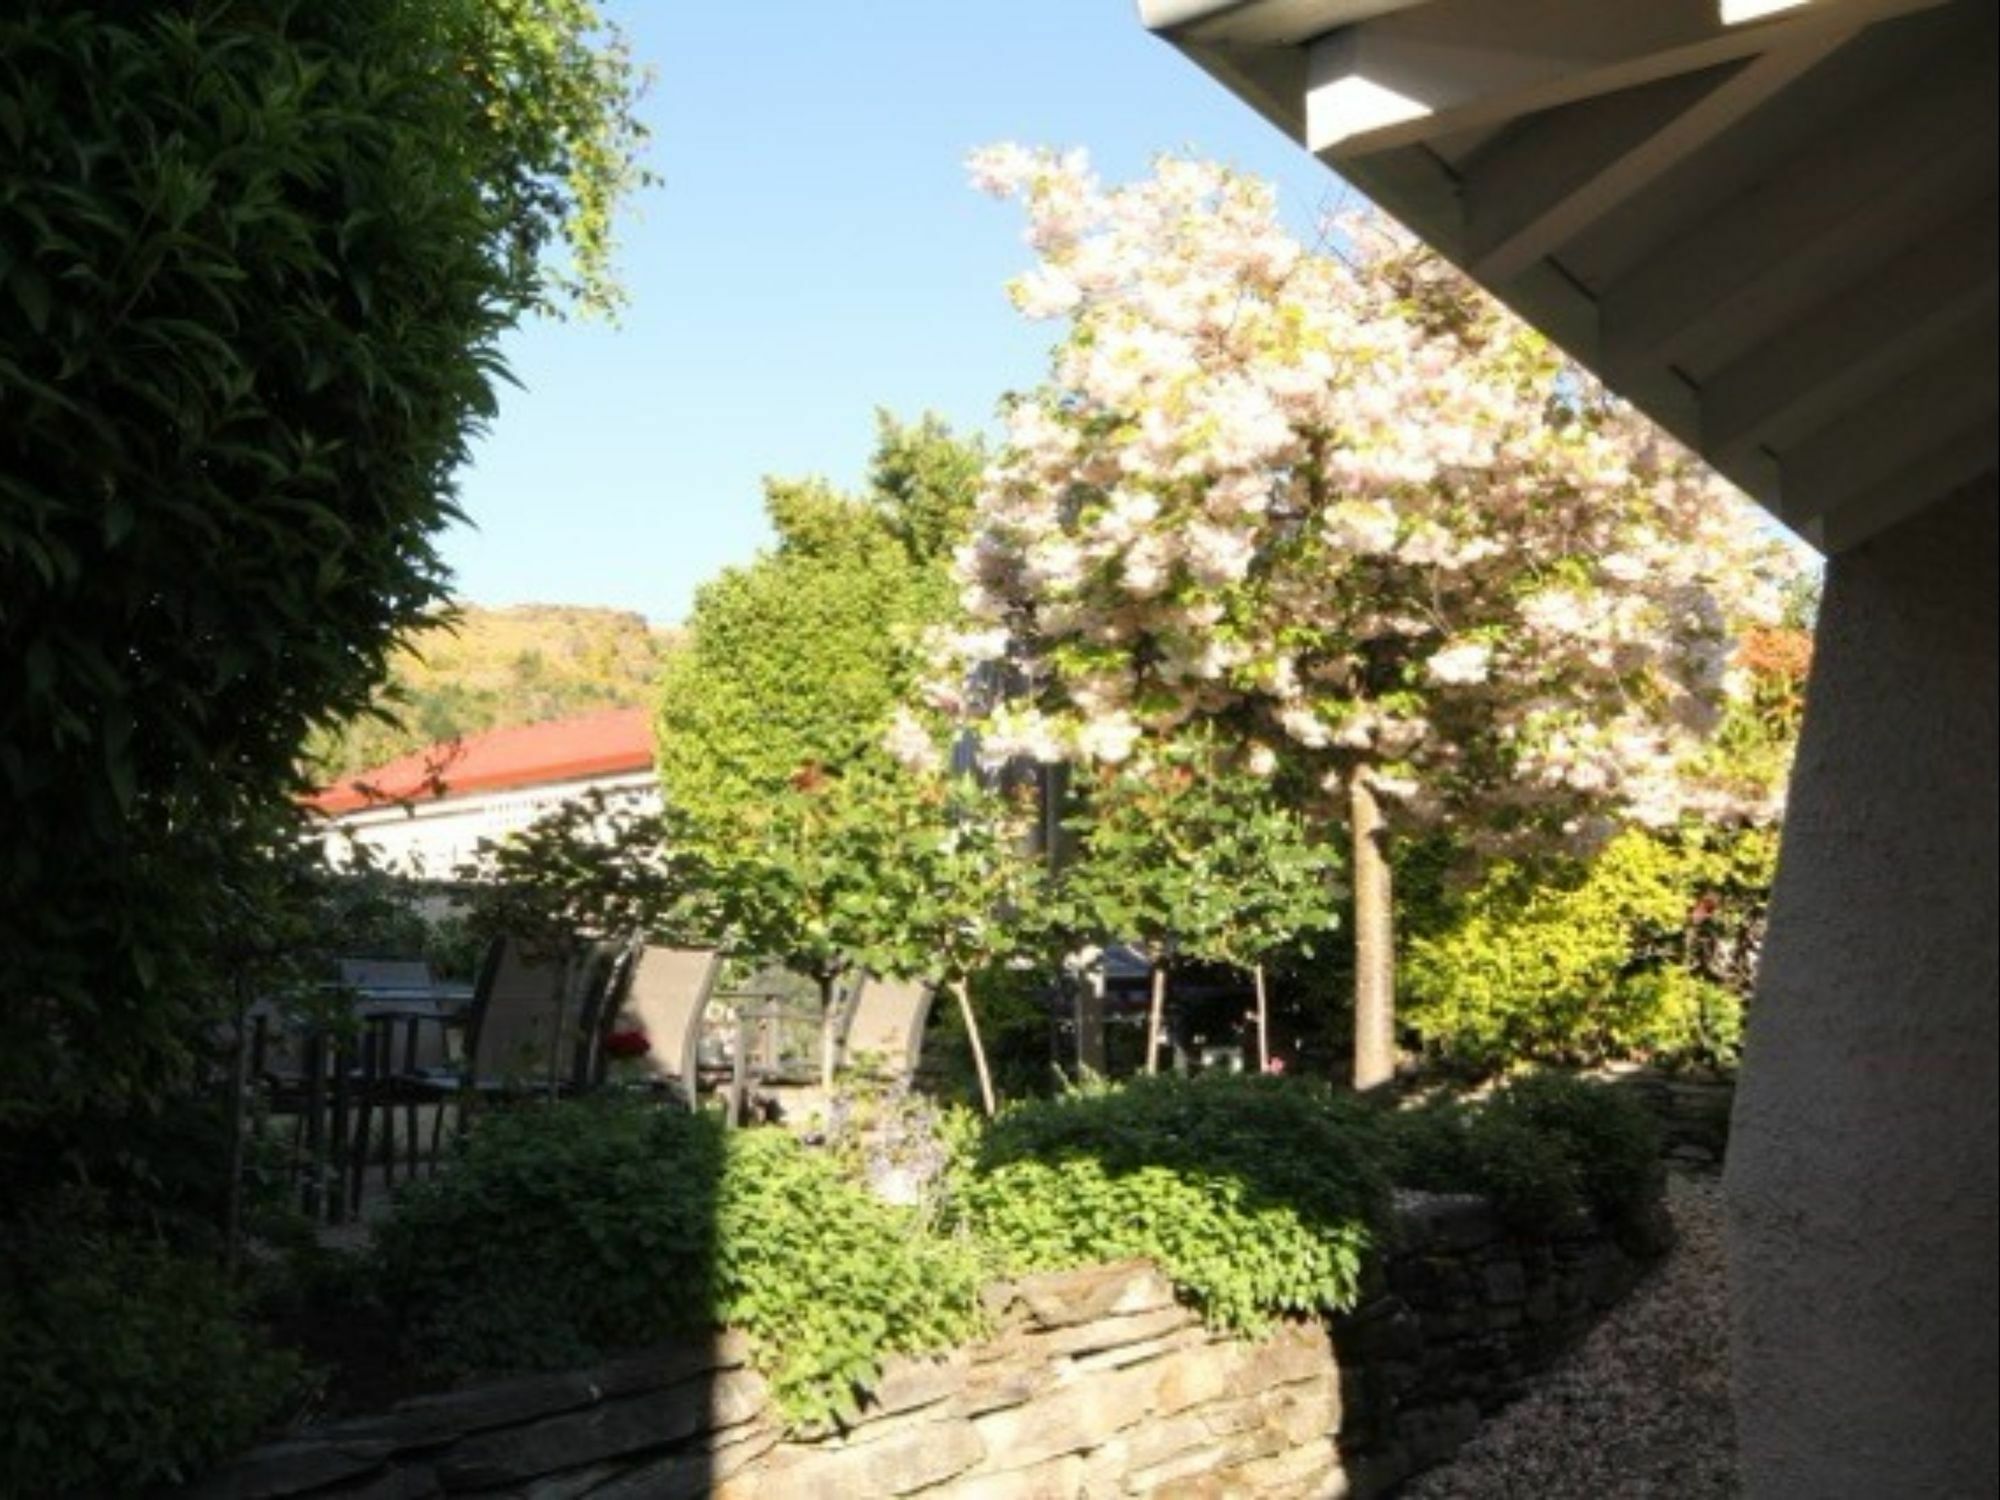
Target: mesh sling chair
x,y
533,1028
664,993
883,1031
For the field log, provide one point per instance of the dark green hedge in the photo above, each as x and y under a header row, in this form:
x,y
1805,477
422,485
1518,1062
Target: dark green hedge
x,y
124,1363
250,286
255,258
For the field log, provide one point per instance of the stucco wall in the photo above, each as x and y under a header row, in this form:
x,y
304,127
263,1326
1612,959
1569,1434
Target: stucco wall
x,y
1862,1157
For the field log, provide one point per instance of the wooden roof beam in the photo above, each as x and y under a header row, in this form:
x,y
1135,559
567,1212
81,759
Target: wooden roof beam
x,y
1560,173
1953,463
1880,444
1453,65
1860,338
1870,186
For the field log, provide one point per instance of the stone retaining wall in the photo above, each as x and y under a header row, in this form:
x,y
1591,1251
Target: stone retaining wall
x,y
1454,1322
1092,1383
1692,1110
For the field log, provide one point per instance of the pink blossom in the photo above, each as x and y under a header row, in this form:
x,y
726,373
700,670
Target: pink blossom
x,y
1349,501
1463,665
911,745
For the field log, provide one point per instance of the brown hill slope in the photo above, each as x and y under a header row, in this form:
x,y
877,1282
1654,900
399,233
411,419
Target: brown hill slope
x,y
496,667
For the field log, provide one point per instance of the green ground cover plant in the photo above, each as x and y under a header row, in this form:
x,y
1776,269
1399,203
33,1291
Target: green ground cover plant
x,y
1254,1195
124,1363
567,1231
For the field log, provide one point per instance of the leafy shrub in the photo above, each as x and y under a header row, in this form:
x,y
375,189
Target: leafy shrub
x,y
1542,1148
1254,1195
828,1280
572,1229
257,261
1647,950
1610,1136
888,1137
1450,1147
1241,1259
122,1364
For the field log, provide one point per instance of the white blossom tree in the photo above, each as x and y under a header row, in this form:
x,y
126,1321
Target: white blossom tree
x,y
1347,508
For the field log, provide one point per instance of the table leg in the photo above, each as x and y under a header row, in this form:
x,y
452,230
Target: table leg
x,y
337,1133
314,1121
410,1116
739,1069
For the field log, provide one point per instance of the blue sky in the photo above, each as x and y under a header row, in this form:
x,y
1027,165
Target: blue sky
x,y
813,253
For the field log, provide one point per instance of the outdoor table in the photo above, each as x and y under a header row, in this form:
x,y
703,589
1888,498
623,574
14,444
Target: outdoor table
x,y
427,1019
754,1051
344,1075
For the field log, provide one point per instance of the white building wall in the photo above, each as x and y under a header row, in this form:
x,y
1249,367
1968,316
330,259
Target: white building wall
x,y
431,839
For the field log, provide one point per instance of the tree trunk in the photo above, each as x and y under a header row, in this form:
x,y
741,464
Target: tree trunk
x,y
1156,1014
964,994
575,969
1374,944
1090,1024
826,1037
1157,1017
239,1088
1263,1020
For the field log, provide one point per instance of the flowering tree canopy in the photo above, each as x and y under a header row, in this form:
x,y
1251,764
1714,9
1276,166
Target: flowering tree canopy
x,y
1346,503
1346,508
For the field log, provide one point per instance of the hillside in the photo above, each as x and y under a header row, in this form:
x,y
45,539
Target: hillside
x,y
496,667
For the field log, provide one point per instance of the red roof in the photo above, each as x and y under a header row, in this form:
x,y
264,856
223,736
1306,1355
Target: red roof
x,y
600,744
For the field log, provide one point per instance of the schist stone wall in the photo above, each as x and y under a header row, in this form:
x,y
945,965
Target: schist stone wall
x,y
1692,1109
1453,1322
1093,1383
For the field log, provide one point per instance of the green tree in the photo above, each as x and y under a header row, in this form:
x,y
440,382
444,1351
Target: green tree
x,y
255,260
1196,858
1346,507
596,868
960,894
925,480
773,715
1647,948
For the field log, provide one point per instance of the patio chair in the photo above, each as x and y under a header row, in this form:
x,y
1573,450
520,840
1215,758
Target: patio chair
x,y
883,1031
664,993
532,1028
534,1020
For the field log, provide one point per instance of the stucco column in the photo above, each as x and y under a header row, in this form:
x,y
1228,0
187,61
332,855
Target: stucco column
x,y
1862,1161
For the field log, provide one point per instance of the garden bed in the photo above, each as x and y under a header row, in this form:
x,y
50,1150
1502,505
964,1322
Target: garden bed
x,y
1097,1380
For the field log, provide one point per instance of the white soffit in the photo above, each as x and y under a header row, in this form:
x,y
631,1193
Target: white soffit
x,y
1769,223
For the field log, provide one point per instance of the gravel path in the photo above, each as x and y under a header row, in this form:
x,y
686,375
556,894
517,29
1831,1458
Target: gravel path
x,y
1639,1410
